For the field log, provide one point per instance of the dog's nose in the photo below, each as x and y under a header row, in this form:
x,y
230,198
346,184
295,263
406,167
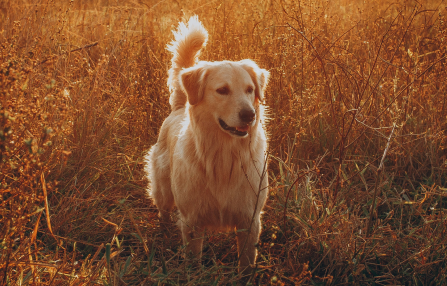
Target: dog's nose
x,y
247,115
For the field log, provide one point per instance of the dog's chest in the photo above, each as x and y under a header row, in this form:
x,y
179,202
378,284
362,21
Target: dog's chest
x,y
222,175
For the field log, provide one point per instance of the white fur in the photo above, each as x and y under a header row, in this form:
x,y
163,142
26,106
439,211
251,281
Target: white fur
x,y
217,179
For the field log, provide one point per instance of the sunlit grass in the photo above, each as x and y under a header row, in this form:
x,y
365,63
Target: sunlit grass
x,y
83,94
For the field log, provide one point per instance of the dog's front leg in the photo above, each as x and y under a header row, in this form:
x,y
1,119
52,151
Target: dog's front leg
x,y
193,241
247,238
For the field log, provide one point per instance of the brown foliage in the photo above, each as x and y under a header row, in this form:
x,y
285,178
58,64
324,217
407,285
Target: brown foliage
x,y
83,94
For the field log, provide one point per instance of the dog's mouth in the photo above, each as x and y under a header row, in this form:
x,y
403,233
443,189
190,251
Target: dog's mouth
x,y
238,131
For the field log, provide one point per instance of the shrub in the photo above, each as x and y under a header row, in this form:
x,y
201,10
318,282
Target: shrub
x,y
83,95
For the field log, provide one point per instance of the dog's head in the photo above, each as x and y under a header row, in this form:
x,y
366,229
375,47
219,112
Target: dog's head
x,y
227,93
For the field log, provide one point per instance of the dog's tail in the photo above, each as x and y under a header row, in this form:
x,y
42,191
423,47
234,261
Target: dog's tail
x,y
185,49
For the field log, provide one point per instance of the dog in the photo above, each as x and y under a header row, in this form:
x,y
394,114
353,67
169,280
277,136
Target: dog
x,y
210,157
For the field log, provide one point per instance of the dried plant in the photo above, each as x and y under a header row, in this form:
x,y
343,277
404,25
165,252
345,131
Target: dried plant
x,y
357,127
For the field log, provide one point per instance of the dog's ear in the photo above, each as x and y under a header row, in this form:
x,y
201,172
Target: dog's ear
x,y
259,76
193,82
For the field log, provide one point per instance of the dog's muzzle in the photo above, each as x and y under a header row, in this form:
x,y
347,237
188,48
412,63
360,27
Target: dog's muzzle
x,y
238,131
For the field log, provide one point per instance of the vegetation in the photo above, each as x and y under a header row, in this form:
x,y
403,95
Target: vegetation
x,y
358,119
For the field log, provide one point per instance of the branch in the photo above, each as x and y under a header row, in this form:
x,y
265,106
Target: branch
x,y
379,171
74,50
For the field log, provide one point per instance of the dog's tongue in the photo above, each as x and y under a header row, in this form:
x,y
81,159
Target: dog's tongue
x,y
242,129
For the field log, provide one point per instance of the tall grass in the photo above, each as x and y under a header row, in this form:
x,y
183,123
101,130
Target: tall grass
x,y
83,95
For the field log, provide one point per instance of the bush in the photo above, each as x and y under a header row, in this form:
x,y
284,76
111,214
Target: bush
x,y
83,95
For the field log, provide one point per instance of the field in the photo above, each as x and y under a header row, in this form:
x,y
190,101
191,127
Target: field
x,y
357,141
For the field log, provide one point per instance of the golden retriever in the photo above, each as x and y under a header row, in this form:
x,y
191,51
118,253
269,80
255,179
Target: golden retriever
x,y
210,157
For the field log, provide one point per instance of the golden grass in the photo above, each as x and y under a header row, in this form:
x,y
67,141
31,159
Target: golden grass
x,y
83,94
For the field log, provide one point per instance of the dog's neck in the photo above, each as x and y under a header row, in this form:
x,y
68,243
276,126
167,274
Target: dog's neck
x,y
227,152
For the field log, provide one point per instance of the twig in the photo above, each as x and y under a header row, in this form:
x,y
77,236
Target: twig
x,y
146,249
262,176
84,47
74,50
287,199
379,172
69,239
47,210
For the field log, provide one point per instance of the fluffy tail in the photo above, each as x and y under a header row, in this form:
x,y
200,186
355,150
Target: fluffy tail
x,y
185,49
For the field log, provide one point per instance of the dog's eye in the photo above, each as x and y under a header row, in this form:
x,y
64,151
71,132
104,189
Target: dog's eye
x,y
249,89
223,90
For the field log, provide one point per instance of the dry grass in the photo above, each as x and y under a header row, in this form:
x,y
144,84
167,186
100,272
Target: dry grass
x,y
83,94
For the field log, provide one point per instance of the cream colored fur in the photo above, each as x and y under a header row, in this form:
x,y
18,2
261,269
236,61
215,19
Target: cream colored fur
x,y
214,174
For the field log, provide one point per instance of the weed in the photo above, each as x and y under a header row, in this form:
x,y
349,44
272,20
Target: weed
x,y
83,94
